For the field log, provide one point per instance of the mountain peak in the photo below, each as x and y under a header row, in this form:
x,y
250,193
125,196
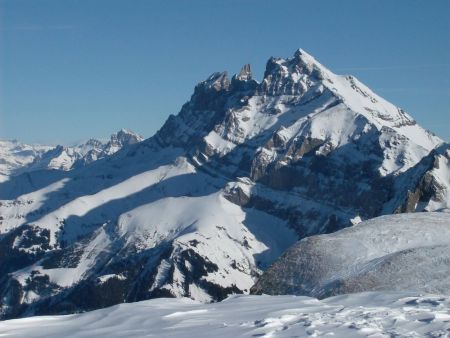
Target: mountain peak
x,y
243,81
127,136
125,131
303,55
293,76
243,108
245,74
217,81
300,52
122,138
307,60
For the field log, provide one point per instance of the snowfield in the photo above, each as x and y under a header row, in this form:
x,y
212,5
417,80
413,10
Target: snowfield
x,y
357,315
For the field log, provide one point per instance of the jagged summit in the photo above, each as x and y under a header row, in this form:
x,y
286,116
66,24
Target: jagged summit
x,y
217,81
125,131
245,74
297,96
300,63
304,78
125,137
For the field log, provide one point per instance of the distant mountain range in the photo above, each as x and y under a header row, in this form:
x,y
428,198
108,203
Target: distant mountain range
x,y
202,208
17,158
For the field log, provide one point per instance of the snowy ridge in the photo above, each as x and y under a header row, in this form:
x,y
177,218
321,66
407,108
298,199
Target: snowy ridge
x,y
359,98
396,252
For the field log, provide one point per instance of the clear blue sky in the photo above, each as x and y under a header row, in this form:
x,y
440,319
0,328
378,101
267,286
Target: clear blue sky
x,y
72,69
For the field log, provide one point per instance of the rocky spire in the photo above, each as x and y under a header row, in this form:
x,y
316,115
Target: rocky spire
x,y
243,81
245,74
217,81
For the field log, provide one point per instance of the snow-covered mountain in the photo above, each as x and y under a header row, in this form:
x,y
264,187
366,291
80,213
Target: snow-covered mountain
x,y
402,315
218,194
17,158
404,252
68,157
15,155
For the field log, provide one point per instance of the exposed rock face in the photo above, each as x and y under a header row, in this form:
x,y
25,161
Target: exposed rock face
x,y
407,252
225,186
430,183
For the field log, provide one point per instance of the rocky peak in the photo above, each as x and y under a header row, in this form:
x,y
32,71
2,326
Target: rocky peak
x,y
307,63
93,143
245,74
243,81
125,137
217,81
209,95
292,76
243,108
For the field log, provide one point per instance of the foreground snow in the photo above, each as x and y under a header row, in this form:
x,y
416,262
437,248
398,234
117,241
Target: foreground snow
x,y
357,315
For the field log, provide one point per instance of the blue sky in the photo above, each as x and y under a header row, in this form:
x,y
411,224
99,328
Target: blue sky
x,y
74,69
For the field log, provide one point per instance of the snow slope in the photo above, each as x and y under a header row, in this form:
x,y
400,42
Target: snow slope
x,y
397,252
357,315
169,227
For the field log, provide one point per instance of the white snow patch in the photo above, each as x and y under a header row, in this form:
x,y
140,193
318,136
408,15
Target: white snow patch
x,y
105,278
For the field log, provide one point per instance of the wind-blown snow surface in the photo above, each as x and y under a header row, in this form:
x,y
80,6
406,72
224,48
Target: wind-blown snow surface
x,y
396,252
202,208
358,315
